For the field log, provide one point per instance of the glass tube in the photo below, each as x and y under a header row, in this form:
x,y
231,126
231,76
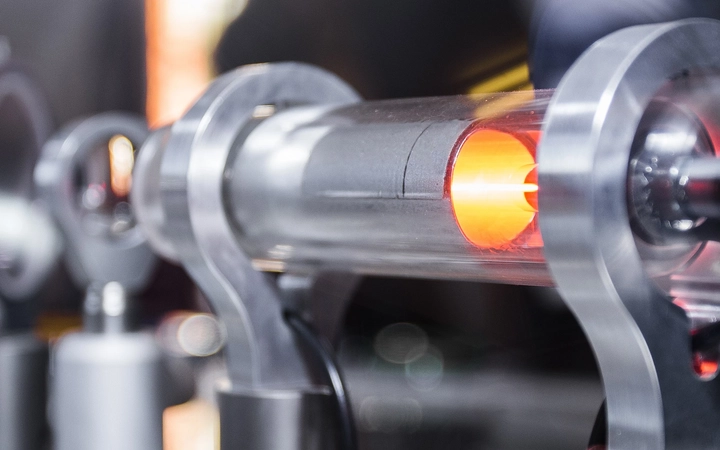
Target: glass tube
x,y
439,187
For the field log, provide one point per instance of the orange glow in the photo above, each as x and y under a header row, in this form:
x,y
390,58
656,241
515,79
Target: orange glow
x,y
708,368
178,56
705,366
493,188
122,160
194,425
52,325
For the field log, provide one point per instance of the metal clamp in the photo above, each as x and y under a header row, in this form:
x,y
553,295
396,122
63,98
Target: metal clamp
x,y
272,401
108,382
261,350
92,255
641,340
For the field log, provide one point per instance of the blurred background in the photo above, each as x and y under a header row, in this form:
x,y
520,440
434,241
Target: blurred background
x,y
429,364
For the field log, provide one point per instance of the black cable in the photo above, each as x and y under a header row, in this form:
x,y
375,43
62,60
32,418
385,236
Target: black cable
x,y
323,350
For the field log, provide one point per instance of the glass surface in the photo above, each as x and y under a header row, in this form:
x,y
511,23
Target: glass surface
x,y
438,187
493,186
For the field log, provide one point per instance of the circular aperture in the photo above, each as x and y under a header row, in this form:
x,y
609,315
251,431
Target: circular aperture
x,y
678,124
102,185
493,188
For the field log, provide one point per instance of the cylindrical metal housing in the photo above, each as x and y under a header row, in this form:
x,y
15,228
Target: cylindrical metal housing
x,y
107,392
438,187
277,420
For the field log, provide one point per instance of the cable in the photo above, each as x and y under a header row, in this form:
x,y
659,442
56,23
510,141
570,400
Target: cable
x,y
323,350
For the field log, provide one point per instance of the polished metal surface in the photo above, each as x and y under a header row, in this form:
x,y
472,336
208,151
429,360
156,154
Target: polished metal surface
x,y
261,350
108,310
654,399
668,136
92,255
145,195
29,243
267,419
108,392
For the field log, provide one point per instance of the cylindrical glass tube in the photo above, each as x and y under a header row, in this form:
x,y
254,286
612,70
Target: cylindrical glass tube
x,y
440,187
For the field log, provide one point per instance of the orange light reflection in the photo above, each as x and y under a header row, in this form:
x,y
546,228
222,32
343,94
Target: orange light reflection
x,y
492,188
179,49
122,160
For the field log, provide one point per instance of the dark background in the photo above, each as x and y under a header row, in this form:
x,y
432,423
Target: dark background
x,y
88,55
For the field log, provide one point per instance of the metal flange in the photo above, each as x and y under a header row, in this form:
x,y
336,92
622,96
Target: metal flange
x,y
28,242
92,255
261,350
641,340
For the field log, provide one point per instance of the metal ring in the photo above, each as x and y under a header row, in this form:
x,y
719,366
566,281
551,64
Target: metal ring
x,y
261,350
145,194
31,106
589,246
126,259
42,249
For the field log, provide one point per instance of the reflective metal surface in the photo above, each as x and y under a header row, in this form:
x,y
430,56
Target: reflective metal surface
x,y
260,348
29,244
276,419
145,195
29,249
640,339
97,250
108,392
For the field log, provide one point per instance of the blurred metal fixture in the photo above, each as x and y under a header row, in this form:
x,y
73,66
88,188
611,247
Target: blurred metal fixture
x,y
29,248
73,178
264,360
109,384
28,243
